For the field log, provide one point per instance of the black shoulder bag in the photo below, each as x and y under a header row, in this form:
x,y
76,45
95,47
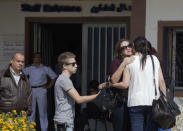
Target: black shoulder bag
x,y
164,111
106,100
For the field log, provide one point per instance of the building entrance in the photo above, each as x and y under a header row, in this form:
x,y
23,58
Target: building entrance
x,y
51,40
92,40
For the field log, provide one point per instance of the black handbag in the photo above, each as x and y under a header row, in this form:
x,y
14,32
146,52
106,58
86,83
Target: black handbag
x,y
164,111
161,113
106,100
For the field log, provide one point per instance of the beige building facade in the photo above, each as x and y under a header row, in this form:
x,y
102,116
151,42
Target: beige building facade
x,y
90,29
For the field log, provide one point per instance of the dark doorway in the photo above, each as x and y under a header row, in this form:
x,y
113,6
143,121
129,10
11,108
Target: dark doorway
x,y
51,40
67,37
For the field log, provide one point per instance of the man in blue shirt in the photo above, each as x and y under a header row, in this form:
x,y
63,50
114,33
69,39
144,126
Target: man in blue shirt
x,y
38,73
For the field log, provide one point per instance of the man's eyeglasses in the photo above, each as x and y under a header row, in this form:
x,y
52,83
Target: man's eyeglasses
x,y
128,46
73,64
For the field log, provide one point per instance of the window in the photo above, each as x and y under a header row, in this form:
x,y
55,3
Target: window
x,y
173,56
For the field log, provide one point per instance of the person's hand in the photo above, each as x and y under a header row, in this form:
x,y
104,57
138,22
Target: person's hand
x,y
128,60
101,86
106,84
97,93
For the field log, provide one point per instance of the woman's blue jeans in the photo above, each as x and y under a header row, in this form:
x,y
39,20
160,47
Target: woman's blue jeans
x,y
120,118
141,118
164,130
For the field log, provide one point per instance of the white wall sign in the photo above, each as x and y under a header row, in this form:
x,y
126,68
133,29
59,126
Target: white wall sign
x,y
10,47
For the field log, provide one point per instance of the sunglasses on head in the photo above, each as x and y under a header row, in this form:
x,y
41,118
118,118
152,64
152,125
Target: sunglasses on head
x,y
73,64
128,46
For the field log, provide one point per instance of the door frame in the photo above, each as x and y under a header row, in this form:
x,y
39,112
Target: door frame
x,y
62,20
29,20
161,26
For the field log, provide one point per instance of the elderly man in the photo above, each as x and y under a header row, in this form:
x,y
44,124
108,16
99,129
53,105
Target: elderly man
x,y
15,90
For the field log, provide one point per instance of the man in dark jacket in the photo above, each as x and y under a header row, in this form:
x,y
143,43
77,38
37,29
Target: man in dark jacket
x,y
15,90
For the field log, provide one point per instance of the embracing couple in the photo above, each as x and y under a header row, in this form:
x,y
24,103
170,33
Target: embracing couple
x,y
132,71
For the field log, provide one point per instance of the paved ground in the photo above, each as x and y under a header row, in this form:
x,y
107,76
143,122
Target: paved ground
x,y
100,125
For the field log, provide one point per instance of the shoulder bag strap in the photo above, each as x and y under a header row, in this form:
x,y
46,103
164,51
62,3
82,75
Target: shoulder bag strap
x,y
154,75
